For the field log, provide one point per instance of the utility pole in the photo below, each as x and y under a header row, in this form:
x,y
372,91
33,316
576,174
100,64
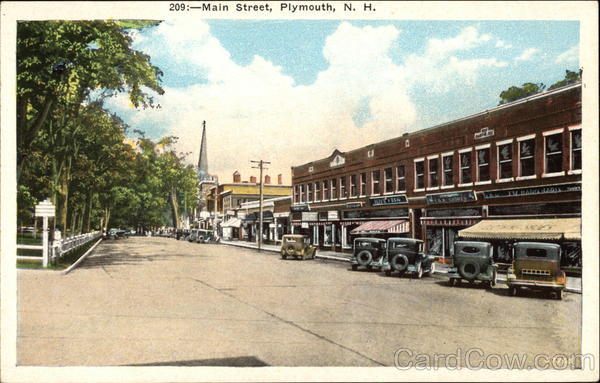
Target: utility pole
x,y
260,165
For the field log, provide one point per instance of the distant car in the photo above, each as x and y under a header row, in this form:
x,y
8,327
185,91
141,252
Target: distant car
x,y
473,261
369,253
536,266
116,234
295,245
406,255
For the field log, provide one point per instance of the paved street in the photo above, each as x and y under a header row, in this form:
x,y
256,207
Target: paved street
x,y
157,301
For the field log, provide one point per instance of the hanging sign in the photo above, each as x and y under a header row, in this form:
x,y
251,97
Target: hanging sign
x,y
45,209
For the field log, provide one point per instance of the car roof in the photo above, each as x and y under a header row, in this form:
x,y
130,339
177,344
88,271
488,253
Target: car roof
x,y
402,239
369,239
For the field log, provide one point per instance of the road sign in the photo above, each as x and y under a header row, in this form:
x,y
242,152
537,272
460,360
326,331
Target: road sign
x,y
44,209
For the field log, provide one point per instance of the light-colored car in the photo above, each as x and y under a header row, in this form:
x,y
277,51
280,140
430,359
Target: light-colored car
x,y
295,245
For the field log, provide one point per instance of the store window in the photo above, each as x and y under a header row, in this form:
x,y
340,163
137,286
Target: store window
x,y
327,235
309,193
363,184
375,182
325,190
400,178
389,182
353,191
420,174
333,189
576,149
448,162
505,161
527,157
465,167
554,157
343,187
317,191
483,164
433,172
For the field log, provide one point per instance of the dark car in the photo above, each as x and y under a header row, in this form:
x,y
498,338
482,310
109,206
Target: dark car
x,y
536,266
116,234
369,252
406,255
473,261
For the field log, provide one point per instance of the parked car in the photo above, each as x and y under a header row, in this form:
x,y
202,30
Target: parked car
x,y
208,236
116,234
369,252
406,255
536,266
473,261
295,245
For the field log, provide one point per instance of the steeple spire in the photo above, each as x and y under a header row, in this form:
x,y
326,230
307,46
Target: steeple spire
x,y
202,158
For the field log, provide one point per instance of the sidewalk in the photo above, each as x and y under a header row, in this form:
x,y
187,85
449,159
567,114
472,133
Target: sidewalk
x,y
573,283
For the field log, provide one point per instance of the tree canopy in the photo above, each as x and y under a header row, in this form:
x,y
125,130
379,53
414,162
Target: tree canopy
x,y
529,89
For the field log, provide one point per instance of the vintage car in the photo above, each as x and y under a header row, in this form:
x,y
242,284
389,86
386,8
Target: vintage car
x,y
406,255
536,266
369,252
202,236
473,261
296,245
116,234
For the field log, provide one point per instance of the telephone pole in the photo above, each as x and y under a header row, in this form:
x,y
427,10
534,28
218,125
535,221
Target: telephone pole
x,y
260,165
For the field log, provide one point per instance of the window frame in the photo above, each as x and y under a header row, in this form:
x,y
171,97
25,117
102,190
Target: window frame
x,y
460,167
343,185
325,190
309,192
353,186
398,178
437,172
391,180
362,184
317,188
376,181
573,129
333,189
443,170
520,140
554,132
499,144
478,148
416,175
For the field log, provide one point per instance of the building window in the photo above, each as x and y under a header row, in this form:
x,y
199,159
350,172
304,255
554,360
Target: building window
x,y
576,149
389,181
353,185
317,191
343,187
400,178
301,193
363,184
375,182
309,191
527,157
420,174
296,194
325,190
433,172
333,189
483,165
554,157
505,161
465,167
448,174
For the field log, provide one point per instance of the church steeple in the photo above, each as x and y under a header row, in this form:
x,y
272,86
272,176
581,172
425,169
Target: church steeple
x,y
202,158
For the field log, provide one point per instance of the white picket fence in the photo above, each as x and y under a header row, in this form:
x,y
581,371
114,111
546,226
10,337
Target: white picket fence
x,y
60,247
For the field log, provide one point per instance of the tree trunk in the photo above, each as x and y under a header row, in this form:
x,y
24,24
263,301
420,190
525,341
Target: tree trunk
x,y
106,218
175,208
63,197
27,134
88,212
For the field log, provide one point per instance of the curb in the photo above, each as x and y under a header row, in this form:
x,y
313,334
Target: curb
x,y
77,262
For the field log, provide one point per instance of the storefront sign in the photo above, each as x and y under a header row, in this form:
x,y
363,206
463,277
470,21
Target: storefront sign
x,y
304,225
485,132
333,215
563,188
388,200
535,209
472,212
300,208
384,213
453,197
354,205
310,216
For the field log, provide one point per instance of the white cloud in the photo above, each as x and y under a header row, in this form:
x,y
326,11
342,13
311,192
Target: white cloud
x,y
503,44
568,56
255,111
527,54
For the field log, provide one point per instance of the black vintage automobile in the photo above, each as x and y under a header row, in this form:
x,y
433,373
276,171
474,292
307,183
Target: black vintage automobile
x,y
406,255
369,252
473,261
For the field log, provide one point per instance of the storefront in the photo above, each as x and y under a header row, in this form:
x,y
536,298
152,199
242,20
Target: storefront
x,y
230,228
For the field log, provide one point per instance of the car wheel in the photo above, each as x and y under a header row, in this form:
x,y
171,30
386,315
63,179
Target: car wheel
x,y
364,258
431,269
399,262
284,256
419,273
494,280
513,291
354,267
469,270
558,294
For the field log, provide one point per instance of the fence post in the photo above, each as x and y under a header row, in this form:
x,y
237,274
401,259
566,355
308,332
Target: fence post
x,y
45,242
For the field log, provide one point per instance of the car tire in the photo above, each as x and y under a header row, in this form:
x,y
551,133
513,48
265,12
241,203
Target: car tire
x,y
558,294
283,255
399,262
364,258
354,267
513,291
419,273
431,269
494,280
469,270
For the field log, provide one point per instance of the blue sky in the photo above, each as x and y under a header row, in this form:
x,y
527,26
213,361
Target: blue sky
x,y
311,86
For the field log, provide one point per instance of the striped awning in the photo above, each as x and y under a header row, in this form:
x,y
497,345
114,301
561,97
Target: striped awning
x,y
380,227
525,229
232,222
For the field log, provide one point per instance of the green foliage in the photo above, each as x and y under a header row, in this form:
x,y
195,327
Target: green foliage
x,y
515,93
570,78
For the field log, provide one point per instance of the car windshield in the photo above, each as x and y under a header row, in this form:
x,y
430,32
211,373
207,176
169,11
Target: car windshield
x,y
292,240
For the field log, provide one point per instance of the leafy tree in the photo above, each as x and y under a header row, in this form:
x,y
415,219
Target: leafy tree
x,y
515,93
570,78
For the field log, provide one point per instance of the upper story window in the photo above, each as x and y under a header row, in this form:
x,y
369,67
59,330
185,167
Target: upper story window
x,y
302,193
296,194
325,190
363,184
400,178
419,174
375,182
333,189
465,167
317,191
353,186
433,171
389,180
448,174
527,157
483,164
576,149
343,187
505,160
309,193
553,150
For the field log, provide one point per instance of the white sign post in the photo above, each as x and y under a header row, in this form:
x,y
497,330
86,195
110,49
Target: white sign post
x,y
45,209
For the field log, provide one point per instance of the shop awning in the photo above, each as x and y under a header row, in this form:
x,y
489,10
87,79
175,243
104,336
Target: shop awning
x,y
232,222
380,227
525,229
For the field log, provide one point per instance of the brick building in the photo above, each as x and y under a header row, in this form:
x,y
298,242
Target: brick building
x,y
515,166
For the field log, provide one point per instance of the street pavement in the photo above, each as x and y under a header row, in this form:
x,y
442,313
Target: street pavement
x,y
158,301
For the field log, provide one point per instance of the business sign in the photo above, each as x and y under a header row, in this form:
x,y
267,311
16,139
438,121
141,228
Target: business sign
x,y
310,216
388,200
484,133
452,197
562,188
45,209
379,213
300,208
333,215
354,205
